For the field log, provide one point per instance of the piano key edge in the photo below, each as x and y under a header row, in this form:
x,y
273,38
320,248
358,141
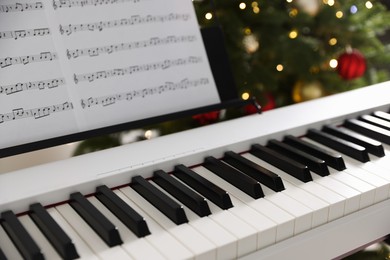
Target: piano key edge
x,y
334,240
116,166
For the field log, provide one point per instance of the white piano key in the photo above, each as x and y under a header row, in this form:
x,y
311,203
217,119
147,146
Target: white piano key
x,y
352,195
319,207
266,229
379,177
335,202
162,240
283,222
383,162
302,214
192,239
227,246
382,186
377,169
82,248
246,234
225,242
8,247
89,236
367,191
47,250
361,171
138,248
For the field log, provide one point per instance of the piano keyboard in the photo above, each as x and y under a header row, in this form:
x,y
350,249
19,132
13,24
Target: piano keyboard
x,y
309,180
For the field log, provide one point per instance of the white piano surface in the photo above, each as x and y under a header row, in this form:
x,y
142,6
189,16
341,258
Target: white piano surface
x,y
35,158
52,182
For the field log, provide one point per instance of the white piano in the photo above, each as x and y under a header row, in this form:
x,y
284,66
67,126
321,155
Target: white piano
x,y
328,217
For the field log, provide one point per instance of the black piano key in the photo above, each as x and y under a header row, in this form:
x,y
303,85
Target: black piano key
x,y
257,172
2,255
161,201
95,219
282,162
134,221
333,160
188,197
53,232
382,115
208,189
374,147
20,237
243,182
375,121
369,130
355,151
316,165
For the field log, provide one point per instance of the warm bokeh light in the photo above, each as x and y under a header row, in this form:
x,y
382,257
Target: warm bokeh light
x,y
279,67
339,14
293,34
332,41
369,5
293,12
209,16
333,63
245,96
330,2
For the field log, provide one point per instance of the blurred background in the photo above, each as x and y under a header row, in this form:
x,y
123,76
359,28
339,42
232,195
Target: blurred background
x,y
281,52
284,52
288,51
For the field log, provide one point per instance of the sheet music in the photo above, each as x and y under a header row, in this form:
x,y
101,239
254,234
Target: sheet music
x,y
34,100
75,65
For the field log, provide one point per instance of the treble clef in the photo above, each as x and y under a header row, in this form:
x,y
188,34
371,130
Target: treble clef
x,y
76,80
61,29
55,5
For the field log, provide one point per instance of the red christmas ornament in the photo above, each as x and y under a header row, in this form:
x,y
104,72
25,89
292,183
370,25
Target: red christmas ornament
x,y
351,64
250,109
207,118
270,103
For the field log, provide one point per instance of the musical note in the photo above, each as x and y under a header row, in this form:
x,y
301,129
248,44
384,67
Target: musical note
x,y
40,85
21,7
142,93
43,56
24,33
36,113
82,3
133,20
108,49
135,69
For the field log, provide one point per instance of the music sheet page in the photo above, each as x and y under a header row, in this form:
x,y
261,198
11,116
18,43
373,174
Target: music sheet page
x,y
34,99
74,65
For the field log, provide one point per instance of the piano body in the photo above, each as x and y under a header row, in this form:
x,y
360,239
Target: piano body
x,y
356,221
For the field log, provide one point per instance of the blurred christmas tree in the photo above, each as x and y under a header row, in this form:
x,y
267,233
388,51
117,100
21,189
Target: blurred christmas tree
x,y
286,51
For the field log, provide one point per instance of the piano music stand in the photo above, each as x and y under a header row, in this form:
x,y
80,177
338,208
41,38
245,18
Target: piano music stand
x,y
218,58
